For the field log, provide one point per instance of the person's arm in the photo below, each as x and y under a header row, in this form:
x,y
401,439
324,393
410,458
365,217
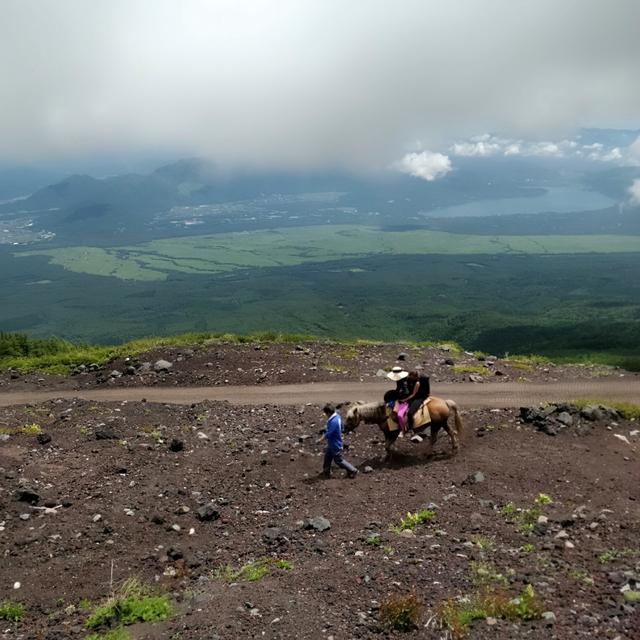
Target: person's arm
x,y
413,393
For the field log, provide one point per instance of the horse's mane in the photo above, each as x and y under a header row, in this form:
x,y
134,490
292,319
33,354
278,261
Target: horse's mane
x,y
368,411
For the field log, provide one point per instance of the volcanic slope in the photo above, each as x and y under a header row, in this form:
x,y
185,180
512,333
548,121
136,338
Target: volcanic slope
x,y
221,510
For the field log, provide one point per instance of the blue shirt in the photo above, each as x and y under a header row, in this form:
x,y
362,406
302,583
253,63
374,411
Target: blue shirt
x,y
333,433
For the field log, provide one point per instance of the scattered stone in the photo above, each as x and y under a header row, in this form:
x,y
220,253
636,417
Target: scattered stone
x,y
474,478
27,495
474,377
318,523
97,517
162,365
275,536
565,418
631,596
106,433
176,445
591,412
208,512
449,361
402,356
115,374
549,617
623,438
43,438
367,469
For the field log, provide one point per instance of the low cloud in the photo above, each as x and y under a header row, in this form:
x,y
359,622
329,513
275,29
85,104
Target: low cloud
x,y
634,191
486,145
426,165
313,83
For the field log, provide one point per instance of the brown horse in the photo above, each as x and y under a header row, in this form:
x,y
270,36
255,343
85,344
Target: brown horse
x,y
378,413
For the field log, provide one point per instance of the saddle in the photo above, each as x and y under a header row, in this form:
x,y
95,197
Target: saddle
x,y
421,418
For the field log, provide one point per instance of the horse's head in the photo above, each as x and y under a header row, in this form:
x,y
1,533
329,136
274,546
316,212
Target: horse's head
x,y
352,419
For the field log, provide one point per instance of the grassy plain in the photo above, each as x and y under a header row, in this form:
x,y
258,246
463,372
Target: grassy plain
x,y
287,247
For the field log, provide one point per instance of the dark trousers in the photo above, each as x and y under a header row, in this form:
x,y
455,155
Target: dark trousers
x,y
336,456
415,404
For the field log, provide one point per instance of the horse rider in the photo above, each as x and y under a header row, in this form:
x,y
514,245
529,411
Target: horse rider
x,y
419,387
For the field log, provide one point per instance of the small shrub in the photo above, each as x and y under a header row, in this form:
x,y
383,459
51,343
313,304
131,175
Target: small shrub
x,y
401,612
133,602
12,611
412,520
484,543
374,540
527,548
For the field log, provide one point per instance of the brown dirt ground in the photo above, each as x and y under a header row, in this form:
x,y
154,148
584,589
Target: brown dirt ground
x,y
258,465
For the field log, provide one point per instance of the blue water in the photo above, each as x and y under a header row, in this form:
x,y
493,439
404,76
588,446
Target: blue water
x,y
556,199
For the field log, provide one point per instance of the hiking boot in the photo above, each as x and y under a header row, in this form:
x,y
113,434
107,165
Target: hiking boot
x,y
352,474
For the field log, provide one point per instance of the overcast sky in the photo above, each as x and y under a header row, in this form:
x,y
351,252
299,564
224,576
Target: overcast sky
x,y
356,83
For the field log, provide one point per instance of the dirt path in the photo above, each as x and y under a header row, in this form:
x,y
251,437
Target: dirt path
x,y
512,394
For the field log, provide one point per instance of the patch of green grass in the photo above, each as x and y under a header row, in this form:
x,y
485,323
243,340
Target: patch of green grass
x,y
582,576
530,360
11,611
476,369
251,571
133,602
526,518
401,612
32,429
527,548
114,634
374,540
484,543
457,614
613,554
412,520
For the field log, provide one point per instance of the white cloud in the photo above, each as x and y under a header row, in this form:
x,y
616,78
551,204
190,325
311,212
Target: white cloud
x,y
475,148
426,165
634,190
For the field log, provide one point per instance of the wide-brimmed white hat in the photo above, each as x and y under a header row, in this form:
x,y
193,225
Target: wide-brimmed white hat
x,y
397,373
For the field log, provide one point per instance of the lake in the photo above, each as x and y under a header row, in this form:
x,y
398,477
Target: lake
x,y
556,199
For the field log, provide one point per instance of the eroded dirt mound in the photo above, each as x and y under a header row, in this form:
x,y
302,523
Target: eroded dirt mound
x,y
182,497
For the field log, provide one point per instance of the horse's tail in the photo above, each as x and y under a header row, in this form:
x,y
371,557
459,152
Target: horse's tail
x,y
456,417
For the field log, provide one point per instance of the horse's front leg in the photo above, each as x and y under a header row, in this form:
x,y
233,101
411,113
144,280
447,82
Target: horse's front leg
x,y
390,438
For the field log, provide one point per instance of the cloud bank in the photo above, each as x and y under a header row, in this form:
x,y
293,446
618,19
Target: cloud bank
x,y
309,82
